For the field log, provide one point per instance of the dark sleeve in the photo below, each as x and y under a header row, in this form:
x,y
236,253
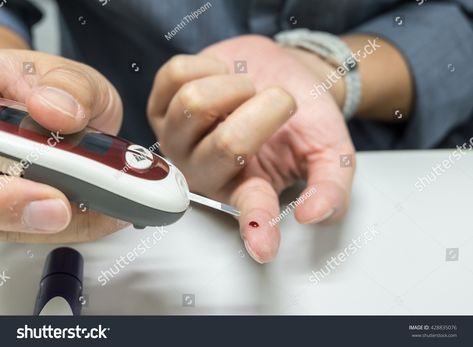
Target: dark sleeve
x,y
19,16
436,39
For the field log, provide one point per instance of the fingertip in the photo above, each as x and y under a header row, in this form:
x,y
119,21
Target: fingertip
x,y
56,110
30,207
260,237
319,217
48,215
287,101
321,203
258,202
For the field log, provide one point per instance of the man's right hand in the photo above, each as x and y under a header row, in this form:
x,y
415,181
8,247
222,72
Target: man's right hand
x,y
65,96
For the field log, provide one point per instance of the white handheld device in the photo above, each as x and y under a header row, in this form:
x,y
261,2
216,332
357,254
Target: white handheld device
x,y
109,174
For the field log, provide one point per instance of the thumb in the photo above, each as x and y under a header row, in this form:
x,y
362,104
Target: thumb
x,y
258,204
327,195
60,94
29,207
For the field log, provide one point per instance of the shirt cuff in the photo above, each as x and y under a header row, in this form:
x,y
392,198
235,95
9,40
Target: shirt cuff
x,y
435,40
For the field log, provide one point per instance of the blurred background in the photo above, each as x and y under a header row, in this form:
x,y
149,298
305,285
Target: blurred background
x,y
46,33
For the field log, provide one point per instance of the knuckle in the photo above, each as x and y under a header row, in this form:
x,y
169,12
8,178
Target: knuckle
x,y
177,68
241,85
227,145
281,97
68,73
191,97
84,85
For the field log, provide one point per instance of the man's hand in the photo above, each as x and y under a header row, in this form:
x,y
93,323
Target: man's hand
x,y
238,137
63,96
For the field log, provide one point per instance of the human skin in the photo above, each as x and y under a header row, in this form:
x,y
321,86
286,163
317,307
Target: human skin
x,y
64,96
206,116
265,115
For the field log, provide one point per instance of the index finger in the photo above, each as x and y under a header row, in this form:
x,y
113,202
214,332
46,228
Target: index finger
x,y
174,74
60,94
242,134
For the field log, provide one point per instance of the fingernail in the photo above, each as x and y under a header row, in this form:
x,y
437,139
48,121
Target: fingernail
x,y
61,101
251,252
46,215
324,217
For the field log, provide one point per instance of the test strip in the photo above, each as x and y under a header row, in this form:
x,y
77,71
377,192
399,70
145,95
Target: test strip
x,y
214,204
10,167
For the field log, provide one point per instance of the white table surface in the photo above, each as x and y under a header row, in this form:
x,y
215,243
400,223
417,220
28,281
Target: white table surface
x,y
403,270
